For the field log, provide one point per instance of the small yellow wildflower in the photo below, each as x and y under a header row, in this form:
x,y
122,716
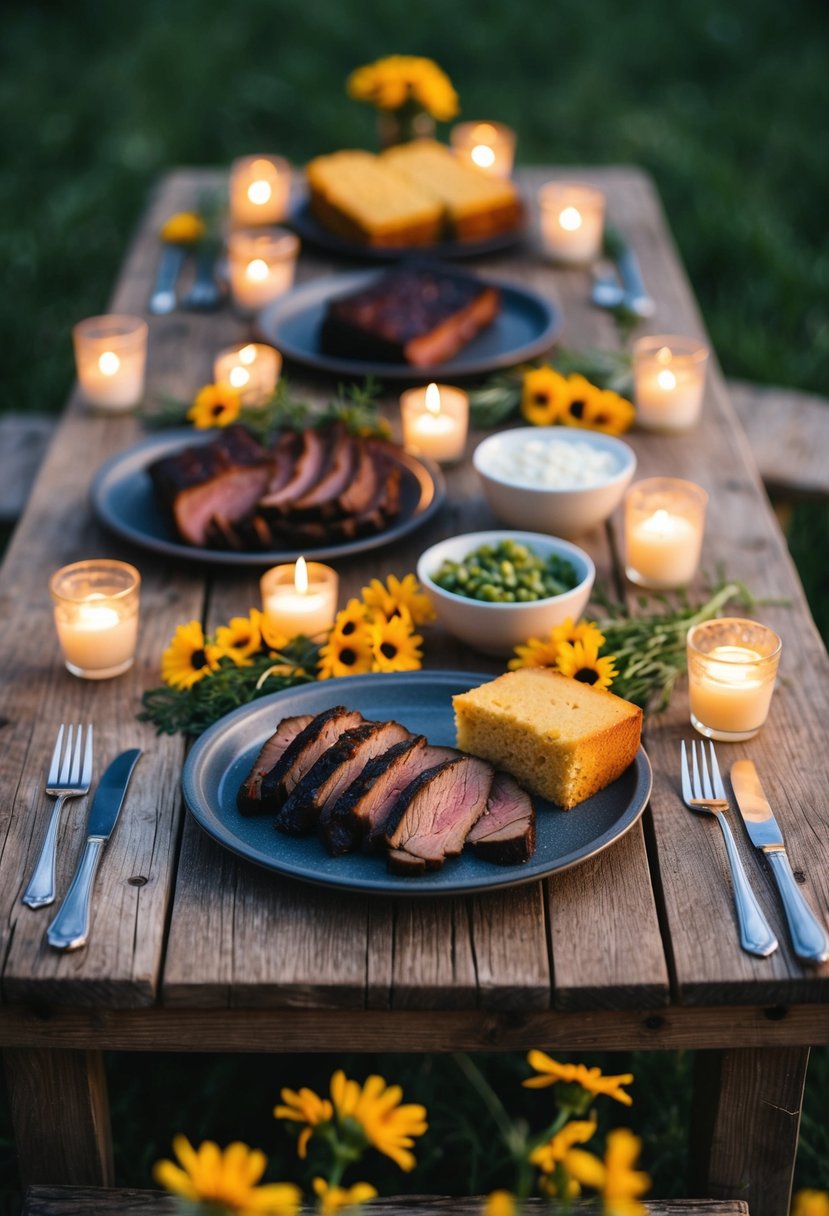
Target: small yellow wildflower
x,y
333,1199
387,1125
397,80
395,594
188,658
239,639
544,396
581,661
810,1203
619,1184
215,405
304,1106
183,228
394,644
547,1156
500,1203
591,1079
226,1179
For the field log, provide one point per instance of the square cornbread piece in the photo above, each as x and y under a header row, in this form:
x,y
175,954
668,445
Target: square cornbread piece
x,y
477,205
361,199
559,738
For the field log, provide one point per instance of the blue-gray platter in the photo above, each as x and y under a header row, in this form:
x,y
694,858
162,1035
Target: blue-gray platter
x,y
526,326
422,701
125,502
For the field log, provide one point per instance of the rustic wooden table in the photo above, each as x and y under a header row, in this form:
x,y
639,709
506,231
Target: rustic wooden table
x,y
192,949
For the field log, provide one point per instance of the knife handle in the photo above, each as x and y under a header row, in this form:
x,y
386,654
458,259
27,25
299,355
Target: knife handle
x,y
70,928
808,936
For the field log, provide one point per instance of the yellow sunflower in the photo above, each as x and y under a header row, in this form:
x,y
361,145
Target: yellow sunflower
x,y
810,1203
582,399
536,652
334,1198
397,594
619,1184
304,1106
550,1154
581,661
225,1178
577,631
240,639
346,656
183,228
544,396
215,405
189,657
396,80
387,1125
273,638
394,644
608,412
590,1079
350,620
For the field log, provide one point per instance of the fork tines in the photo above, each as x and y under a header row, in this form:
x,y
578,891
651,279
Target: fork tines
x,y
76,767
704,785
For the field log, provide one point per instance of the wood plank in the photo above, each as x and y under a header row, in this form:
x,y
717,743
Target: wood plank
x,y
789,436
23,442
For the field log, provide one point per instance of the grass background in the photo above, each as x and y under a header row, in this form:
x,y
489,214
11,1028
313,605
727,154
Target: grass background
x,y
724,103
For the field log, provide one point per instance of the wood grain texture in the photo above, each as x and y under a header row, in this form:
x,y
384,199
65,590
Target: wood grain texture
x,y
789,436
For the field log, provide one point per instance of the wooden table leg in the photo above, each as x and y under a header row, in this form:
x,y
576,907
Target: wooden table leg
x,y
745,1124
60,1116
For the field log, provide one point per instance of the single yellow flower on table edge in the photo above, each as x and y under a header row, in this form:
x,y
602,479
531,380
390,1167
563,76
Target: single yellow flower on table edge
x,y
183,228
228,1177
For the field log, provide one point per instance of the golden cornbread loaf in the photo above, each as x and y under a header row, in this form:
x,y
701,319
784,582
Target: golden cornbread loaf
x,y
477,204
559,738
361,199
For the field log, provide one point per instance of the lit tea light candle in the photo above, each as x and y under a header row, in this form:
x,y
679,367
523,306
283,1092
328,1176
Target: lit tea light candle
x,y
664,525
110,358
96,616
732,665
669,382
252,368
571,218
262,266
435,421
300,598
260,188
488,145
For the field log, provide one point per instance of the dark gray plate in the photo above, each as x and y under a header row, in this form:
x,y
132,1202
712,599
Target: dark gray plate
x,y
125,502
422,701
525,327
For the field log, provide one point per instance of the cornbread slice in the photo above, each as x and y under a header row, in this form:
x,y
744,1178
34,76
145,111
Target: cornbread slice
x,y
477,205
362,199
559,738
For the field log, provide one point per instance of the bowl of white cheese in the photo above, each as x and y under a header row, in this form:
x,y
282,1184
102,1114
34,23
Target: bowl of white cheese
x,y
554,479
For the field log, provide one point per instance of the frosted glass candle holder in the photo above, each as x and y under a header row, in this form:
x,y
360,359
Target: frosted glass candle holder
x,y
732,665
571,218
110,358
487,145
669,382
300,598
435,420
96,616
252,368
260,190
262,266
664,525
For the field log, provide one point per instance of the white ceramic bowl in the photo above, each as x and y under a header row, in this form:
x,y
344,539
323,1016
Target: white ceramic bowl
x,y
499,628
561,512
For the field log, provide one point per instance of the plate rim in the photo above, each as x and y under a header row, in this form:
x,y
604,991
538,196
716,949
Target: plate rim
x,y
268,319
168,441
501,878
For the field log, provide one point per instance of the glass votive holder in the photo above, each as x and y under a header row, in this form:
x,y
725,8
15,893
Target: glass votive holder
x,y
262,266
300,598
435,420
669,381
664,525
571,219
252,368
96,616
487,145
110,358
260,190
732,665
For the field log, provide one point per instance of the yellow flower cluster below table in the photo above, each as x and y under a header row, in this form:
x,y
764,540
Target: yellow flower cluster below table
x,y
398,80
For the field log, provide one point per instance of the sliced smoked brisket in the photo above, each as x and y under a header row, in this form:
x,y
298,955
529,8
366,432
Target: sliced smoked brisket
x,y
304,751
433,816
505,833
249,798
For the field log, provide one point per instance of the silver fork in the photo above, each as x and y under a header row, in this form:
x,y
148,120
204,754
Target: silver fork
x,y
206,293
706,794
69,776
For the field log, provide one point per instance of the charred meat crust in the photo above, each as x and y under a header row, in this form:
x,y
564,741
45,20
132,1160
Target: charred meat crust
x,y
249,798
304,750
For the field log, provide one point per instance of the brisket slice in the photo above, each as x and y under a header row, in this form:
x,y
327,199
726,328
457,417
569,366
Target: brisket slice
x,y
505,833
249,798
304,751
333,772
405,864
308,467
375,805
322,496
433,816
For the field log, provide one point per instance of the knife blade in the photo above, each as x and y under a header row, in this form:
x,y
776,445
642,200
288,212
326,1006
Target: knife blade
x,y
70,928
809,938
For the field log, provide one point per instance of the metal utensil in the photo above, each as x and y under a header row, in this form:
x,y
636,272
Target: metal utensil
x,y
635,297
206,293
163,298
70,928
606,290
809,938
707,795
69,775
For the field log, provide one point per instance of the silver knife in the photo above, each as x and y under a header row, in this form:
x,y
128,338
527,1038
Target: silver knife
x,y
163,298
70,928
809,938
635,296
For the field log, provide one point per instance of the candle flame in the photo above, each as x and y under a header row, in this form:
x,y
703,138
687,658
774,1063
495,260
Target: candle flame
x,y
301,576
570,219
259,193
248,353
258,270
109,363
433,399
666,380
482,156
239,377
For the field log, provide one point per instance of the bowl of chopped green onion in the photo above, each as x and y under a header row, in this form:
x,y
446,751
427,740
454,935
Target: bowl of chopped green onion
x,y
494,590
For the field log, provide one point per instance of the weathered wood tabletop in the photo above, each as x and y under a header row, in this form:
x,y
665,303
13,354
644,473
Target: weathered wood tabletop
x,y
194,949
